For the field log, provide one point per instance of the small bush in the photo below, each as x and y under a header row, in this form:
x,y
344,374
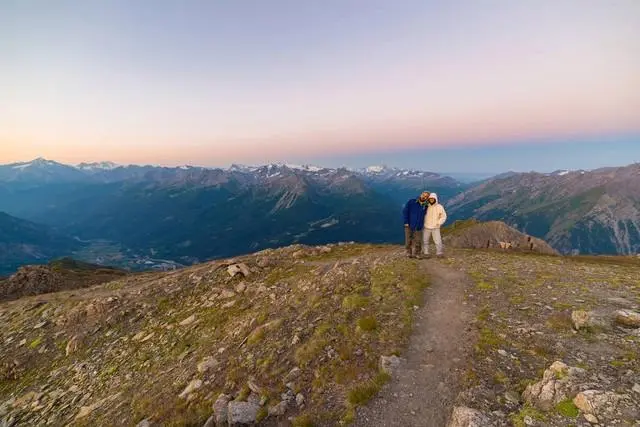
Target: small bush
x,y
368,323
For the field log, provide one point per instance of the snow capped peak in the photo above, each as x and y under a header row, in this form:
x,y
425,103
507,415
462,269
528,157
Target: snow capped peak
x,y
39,162
375,169
97,166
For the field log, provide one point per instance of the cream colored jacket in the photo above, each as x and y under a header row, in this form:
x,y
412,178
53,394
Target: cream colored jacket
x,y
436,215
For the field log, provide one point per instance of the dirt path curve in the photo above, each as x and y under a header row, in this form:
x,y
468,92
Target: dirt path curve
x,y
423,389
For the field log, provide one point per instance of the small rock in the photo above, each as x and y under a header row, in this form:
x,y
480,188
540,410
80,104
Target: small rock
x,y
528,421
299,399
72,345
229,304
512,397
220,409
292,375
206,364
295,340
591,418
503,353
242,413
235,269
278,410
193,386
40,325
557,384
241,287
189,320
226,294
467,417
390,364
628,318
254,387
211,422
594,401
581,319
144,423
84,412
636,388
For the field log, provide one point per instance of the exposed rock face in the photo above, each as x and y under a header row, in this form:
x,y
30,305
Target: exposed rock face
x,y
221,410
467,417
628,318
493,234
581,319
596,402
31,280
242,413
559,383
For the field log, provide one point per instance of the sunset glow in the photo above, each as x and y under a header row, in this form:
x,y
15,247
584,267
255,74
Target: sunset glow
x,y
213,83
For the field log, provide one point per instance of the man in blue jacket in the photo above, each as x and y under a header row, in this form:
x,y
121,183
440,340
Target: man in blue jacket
x,y
414,212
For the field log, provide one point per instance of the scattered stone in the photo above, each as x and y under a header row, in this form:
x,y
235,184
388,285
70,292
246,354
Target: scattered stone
x,y
193,386
40,324
144,423
591,418
189,320
72,345
528,421
595,401
241,287
298,254
581,319
503,353
211,421
278,410
390,364
242,413
226,294
295,340
512,396
467,417
558,383
636,388
628,318
229,304
299,399
220,409
207,364
292,375
254,387
84,412
236,269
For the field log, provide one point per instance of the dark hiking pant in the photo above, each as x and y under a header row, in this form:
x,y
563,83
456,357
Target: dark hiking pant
x,y
413,241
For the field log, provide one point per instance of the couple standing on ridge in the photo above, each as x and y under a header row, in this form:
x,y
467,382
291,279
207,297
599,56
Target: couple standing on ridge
x,y
423,218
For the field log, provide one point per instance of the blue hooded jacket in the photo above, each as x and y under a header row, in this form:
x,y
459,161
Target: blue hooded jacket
x,y
414,214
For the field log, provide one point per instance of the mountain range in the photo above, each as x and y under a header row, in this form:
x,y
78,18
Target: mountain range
x,y
151,216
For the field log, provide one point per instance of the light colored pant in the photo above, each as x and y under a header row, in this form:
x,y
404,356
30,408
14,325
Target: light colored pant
x,y
437,239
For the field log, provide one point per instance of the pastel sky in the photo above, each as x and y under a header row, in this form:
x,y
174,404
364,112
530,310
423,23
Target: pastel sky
x,y
251,81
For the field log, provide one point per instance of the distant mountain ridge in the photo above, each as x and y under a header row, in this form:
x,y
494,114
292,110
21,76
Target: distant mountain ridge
x,y
591,212
24,242
187,214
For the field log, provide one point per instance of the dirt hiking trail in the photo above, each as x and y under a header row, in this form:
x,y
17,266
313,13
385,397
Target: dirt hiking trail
x,y
424,387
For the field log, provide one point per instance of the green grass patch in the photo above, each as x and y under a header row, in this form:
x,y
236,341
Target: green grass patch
x,y
367,323
567,408
352,302
35,343
526,411
365,391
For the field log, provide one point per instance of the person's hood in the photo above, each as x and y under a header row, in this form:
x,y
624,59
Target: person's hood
x,y
435,196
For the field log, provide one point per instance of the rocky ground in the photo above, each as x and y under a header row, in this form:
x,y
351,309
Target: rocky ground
x,y
289,336
305,336
558,341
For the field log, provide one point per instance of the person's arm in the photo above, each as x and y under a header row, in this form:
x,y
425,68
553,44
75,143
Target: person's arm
x,y
443,216
405,214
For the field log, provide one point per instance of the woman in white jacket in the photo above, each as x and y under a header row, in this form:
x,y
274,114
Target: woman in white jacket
x,y
433,220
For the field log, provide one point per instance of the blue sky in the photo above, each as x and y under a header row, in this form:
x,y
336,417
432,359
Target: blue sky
x,y
216,82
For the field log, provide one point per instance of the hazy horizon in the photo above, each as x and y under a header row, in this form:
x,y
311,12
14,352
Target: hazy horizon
x,y
339,81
